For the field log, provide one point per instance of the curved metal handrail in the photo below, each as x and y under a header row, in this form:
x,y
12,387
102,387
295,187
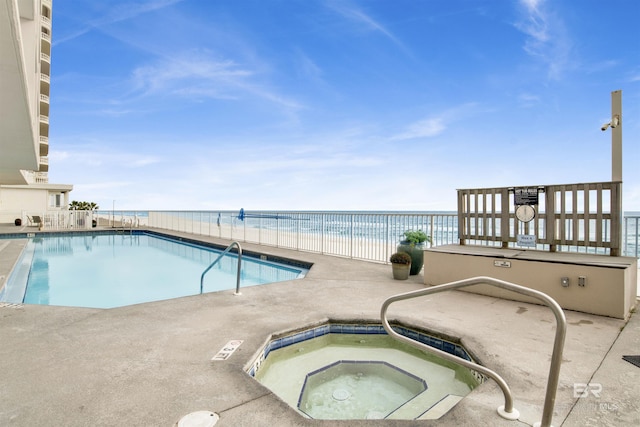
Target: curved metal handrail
x,y
507,411
218,259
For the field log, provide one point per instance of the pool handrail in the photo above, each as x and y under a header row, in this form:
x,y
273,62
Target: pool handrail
x,y
507,411
123,225
237,292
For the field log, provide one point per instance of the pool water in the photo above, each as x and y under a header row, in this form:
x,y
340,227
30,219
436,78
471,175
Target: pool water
x,y
350,389
113,270
300,375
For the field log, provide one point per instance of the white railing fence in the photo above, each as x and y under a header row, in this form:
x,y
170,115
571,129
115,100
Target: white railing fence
x,y
369,236
57,220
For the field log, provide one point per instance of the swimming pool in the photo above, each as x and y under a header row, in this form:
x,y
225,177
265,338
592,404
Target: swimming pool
x,y
117,269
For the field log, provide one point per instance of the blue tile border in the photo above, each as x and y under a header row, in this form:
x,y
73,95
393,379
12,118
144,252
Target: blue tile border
x,y
298,264
360,329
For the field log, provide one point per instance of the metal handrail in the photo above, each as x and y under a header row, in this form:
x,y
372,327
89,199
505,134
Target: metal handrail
x,y
218,259
507,411
124,223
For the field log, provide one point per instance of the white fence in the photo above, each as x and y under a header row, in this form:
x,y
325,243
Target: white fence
x,y
57,220
370,236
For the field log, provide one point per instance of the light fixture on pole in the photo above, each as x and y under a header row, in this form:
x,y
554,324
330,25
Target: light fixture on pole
x,y
616,135
616,167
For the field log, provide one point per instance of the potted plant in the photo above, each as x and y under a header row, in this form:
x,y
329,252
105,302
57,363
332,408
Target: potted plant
x,y
401,265
414,243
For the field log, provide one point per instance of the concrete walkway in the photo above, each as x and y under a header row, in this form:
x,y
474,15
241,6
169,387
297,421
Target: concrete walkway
x,y
150,364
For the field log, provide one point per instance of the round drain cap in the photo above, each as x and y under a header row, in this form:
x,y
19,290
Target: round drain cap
x,y
341,394
199,419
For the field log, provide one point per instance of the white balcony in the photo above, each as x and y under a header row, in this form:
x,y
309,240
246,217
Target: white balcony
x,y
36,177
44,145
46,22
45,45
44,105
45,64
44,164
41,178
45,84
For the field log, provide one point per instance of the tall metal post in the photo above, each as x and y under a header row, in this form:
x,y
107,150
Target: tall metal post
x,y
616,136
616,165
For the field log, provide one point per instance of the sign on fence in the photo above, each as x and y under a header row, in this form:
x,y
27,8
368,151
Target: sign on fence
x,y
525,196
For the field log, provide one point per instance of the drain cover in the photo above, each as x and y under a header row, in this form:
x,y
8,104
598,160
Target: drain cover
x,y
341,394
199,419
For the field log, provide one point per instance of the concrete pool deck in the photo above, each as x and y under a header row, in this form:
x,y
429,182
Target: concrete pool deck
x,y
150,364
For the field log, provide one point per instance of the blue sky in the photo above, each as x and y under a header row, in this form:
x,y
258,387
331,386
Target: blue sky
x,y
337,105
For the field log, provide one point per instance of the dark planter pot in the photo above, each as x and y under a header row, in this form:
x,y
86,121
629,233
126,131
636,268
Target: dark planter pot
x,y
18,222
401,271
417,255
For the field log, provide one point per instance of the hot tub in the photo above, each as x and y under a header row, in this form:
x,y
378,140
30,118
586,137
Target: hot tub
x,y
356,371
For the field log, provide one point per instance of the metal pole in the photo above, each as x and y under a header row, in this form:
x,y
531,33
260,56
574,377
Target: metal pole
x,y
616,159
616,136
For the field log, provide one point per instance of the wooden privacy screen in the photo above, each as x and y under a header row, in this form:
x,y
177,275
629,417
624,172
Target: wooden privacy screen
x,y
586,215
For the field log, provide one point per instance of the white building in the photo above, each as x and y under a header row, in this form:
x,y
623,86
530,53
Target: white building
x,y
25,64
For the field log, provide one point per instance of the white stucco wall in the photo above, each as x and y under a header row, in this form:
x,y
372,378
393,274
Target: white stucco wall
x,y
20,201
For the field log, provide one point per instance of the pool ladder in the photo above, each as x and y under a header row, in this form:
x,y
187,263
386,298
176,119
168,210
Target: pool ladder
x,y
507,410
123,226
218,259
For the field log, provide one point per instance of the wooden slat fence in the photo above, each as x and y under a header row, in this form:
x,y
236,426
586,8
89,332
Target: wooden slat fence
x,y
585,215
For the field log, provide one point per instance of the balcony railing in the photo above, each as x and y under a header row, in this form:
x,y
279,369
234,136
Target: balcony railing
x,y
44,146
45,43
36,177
45,57
369,236
46,22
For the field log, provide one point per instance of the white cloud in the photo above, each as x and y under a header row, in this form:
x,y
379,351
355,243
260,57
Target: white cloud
x,y
117,13
422,129
547,39
436,124
308,68
528,100
358,16
191,73
90,155
635,77
197,75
